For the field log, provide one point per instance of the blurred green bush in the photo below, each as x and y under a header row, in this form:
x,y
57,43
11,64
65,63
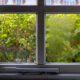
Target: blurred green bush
x,y
63,38
17,37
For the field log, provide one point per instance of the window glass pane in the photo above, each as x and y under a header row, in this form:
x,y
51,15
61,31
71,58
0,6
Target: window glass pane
x,y
47,2
17,38
62,2
63,37
18,2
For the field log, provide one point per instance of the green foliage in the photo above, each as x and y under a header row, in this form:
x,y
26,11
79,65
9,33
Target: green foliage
x,y
17,36
62,32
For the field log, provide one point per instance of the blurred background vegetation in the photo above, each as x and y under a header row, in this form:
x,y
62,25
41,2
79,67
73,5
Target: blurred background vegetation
x,y
18,37
63,38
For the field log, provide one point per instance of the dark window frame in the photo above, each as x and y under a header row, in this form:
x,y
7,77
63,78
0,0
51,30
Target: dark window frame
x,y
66,69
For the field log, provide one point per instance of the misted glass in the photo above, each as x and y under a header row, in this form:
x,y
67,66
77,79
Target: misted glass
x,y
63,37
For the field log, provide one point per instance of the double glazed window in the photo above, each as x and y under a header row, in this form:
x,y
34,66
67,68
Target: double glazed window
x,y
40,33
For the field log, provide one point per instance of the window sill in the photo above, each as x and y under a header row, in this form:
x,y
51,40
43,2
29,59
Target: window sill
x,y
63,67
45,76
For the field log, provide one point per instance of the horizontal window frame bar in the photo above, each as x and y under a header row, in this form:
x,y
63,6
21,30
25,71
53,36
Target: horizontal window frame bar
x,y
63,67
29,70
62,9
19,76
39,9
18,9
51,64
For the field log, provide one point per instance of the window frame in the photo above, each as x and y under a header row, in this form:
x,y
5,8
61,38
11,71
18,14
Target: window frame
x,y
41,10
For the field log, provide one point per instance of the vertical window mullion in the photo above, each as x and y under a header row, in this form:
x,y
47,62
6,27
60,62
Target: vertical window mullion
x,y
40,34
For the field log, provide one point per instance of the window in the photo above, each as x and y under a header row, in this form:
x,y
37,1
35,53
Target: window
x,y
18,2
69,71
63,2
62,38
15,47
2,2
